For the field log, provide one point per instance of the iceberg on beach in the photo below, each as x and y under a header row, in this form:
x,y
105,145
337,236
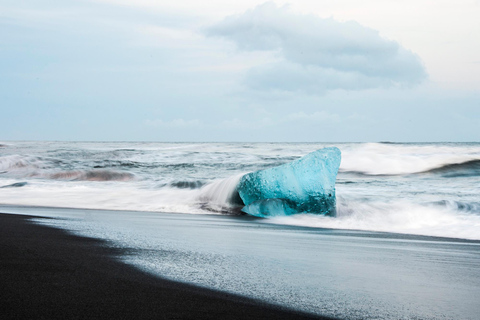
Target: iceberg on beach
x,y
306,185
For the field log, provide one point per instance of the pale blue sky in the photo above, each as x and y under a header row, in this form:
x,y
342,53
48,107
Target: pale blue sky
x,y
240,71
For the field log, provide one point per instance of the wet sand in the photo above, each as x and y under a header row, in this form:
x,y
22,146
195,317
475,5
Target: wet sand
x,y
48,273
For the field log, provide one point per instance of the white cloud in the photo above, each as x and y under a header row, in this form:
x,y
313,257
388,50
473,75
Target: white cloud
x,y
318,54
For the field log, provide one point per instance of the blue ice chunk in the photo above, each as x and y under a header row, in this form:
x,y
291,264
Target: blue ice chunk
x,y
304,185
270,207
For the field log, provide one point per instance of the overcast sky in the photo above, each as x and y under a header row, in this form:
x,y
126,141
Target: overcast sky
x,y
343,70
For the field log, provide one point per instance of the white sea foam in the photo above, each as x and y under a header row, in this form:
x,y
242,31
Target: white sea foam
x,y
112,195
18,163
393,159
396,217
100,195
218,194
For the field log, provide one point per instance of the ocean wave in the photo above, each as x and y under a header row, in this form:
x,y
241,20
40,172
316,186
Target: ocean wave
x,y
464,169
116,164
93,175
469,168
117,196
14,162
379,159
220,196
394,217
178,165
24,166
15,185
460,206
186,184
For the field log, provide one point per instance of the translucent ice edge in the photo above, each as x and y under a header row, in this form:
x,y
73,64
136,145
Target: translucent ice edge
x,y
306,185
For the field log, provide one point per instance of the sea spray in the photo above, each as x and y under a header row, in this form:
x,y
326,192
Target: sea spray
x,y
221,195
395,217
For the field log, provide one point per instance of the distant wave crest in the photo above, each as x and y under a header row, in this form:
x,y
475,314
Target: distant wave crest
x,y
467,168
12,162
380,159
186,184
93,175
463,169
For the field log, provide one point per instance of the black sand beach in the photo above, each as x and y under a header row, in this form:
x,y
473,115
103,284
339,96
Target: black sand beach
x,y
47,273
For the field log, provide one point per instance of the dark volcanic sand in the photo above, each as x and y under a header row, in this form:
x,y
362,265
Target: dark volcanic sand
x,y
47,273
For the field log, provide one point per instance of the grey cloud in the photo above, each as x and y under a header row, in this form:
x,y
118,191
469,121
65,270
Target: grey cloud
x,y
286,76
318,54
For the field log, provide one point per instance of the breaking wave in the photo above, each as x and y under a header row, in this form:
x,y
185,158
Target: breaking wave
x,y
221,195
446,219
464,169
379,159
36,167
16,162
467,207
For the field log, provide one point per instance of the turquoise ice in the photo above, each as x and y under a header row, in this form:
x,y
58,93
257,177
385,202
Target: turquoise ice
x,y
304,185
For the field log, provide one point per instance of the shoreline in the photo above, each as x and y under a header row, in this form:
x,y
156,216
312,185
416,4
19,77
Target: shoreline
x,y
47,272
33,211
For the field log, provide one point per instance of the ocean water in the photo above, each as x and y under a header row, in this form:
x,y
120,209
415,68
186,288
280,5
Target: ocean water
x,y
425,189
404,244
